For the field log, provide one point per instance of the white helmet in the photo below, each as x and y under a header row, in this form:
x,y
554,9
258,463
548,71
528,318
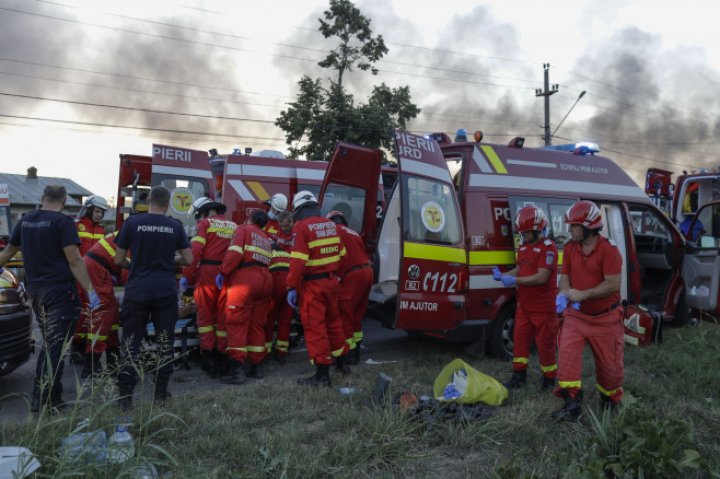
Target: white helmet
x,y
197,204
203,205
302,198
278,202
92,200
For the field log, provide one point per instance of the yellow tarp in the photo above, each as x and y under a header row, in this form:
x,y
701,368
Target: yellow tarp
x,y
480,386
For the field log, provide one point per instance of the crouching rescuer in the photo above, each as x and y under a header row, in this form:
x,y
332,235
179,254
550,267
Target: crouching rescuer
x,y
536,279
590,283
313,287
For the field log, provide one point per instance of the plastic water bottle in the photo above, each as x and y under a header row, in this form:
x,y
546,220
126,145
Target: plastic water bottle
x,y
120,446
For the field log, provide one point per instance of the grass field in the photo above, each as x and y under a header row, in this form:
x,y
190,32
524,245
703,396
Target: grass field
x,y
669,426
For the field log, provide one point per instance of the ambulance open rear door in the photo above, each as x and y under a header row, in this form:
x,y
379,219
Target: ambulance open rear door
x,y
432,275
701,264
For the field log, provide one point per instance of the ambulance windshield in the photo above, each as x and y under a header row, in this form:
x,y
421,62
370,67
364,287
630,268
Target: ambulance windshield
x,y
430,212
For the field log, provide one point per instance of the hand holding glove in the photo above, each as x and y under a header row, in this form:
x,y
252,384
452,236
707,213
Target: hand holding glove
x,y
508,280
183,284
561,303
219,279
94,300
292,298
497,275
576,305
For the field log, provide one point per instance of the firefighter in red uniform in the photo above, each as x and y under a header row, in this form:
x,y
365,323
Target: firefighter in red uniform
x,y
280,311
536,278
313,287
209,246
276,204
90,232
248,300
357,279
104,322
590,283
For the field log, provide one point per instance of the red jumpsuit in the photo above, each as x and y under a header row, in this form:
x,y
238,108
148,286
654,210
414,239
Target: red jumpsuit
x,y
209,246
357,279
250,287
104,322
280,311
599,321
314,264
535,316
90,233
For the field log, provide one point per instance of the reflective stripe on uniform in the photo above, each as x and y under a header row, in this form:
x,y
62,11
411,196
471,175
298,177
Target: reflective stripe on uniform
x,y
324,242
607,392
298,255
95,236
279,265
115,327
221,334
323,261
569,384
243,349
433,252
107,247
255,349
520,360
205,329
338,352
282,345
198,239
547,369
235,248
258,250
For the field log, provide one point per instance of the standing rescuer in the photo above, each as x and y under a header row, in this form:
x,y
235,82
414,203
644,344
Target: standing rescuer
x,y
536,279
313,286
209,246
277,205
357,279
592,267
53,268
248,300
151,291
280,311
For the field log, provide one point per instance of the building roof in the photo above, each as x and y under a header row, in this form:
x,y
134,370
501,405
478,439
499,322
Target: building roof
x,y
28,191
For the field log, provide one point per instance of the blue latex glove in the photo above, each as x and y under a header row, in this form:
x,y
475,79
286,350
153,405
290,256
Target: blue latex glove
x,y
183,284
1,269
94,300
219,279
497,275
292,298
576,305
508,280
561,303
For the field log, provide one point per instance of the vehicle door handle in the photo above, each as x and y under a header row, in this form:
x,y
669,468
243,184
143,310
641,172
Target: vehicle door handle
x,y
456,265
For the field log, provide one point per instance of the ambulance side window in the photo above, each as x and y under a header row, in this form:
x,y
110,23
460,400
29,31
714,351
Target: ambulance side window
x,y
432,214
349,200
554,209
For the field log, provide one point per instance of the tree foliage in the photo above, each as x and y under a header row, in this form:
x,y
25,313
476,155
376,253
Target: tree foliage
x,y
325,115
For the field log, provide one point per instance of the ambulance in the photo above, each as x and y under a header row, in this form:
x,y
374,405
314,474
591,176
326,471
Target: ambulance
x,y
691,201
449,221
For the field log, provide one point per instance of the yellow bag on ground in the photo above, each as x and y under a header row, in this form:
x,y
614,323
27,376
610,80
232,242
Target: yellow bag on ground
x,y
480,386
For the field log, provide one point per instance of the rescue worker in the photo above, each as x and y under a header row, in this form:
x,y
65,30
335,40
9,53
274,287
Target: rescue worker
x,y
591,273
90,232
53,268
151,291
276,204
355,285
209,246
280,314
313,287
248,299
104,323
536,279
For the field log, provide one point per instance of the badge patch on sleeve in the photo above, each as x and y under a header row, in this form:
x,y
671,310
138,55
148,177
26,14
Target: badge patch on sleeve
x,y
550,258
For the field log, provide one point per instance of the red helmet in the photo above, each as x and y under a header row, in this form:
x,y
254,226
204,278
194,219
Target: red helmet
x,y
584,213
530,218
336,214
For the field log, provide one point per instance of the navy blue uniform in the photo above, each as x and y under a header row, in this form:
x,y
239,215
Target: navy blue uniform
x,y
42,236
151,291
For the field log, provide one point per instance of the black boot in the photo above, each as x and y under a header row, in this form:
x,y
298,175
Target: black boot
x,y
208,363
572,409
280,357
112,360
92,366
223,363
517,380
548,384
607,404
353,357
77,352
162,395
126,394
321,377
235,373
342,366
253,371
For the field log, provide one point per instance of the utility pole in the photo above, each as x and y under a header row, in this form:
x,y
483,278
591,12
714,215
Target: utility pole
x,y
546,93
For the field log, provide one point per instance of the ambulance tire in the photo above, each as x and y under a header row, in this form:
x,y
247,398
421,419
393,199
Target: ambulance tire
x,y
682,313
500,343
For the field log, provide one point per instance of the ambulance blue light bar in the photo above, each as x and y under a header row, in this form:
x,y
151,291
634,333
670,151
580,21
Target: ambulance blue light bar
x,y
581,148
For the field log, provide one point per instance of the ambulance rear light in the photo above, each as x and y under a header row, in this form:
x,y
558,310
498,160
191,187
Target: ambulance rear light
x,y
586,148
478,135
461,135
516,142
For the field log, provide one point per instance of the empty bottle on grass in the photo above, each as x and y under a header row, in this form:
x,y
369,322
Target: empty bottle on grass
x,y
121,445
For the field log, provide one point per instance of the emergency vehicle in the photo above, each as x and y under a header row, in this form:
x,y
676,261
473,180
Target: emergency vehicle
x,y
692,198
449,220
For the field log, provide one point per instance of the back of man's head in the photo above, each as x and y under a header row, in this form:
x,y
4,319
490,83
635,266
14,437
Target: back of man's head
x,y
259,218
55,194
159,196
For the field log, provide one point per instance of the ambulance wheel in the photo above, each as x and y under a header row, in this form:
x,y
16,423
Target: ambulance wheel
x,y
682,313
500,343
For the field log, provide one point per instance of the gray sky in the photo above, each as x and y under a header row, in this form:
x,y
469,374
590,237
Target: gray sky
x,y
82,82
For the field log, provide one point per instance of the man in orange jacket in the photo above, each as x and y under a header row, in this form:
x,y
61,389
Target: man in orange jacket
x,y
313,286
248,300
357,279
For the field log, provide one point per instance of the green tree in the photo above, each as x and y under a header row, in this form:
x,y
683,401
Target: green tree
x,y
324,116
